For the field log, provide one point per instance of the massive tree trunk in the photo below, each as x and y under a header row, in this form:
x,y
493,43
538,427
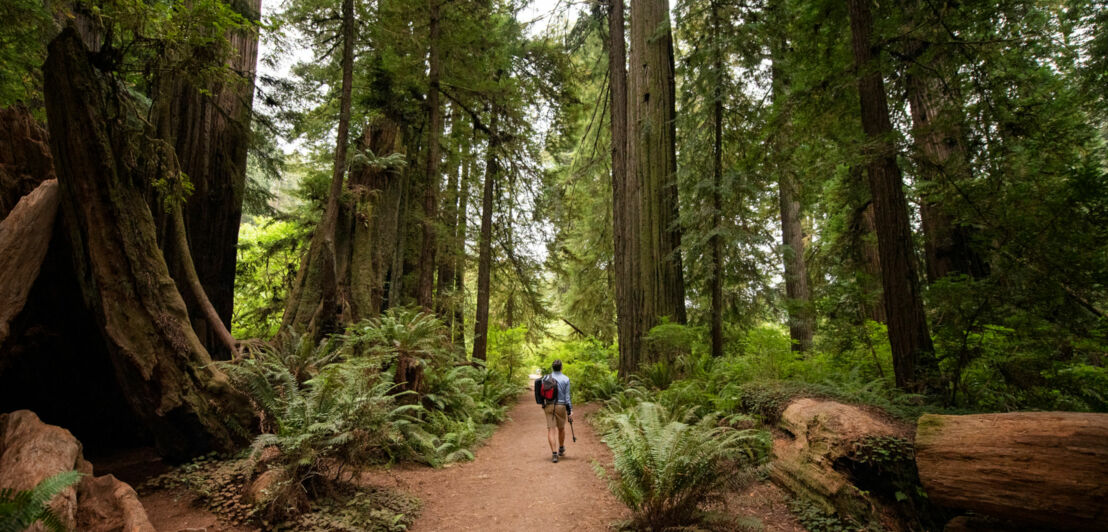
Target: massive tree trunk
x,y
210,128
484,253
367,227
913,355
1038,469
161,365
940,143
625,225
431,192
652,162
314,307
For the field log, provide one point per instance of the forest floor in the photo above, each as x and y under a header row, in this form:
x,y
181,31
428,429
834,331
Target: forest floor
x,y
510,485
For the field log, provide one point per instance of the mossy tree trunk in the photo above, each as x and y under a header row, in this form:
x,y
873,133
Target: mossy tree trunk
x,y
314,306
210,130
103,169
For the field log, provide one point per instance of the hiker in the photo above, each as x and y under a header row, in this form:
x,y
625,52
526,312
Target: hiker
x,y
555,400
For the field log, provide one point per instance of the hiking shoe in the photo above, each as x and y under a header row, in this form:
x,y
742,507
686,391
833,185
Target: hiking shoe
x,y
554,458
561,451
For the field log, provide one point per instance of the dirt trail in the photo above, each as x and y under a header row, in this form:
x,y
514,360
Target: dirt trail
x,y
513,485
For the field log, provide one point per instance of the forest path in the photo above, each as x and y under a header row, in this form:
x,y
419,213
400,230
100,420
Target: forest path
x,y
512,484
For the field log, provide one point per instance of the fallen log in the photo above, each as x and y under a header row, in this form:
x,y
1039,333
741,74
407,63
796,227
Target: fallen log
x,y
24,238
1046,469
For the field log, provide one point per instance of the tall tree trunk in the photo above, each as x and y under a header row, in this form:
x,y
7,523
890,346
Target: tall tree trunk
x,y
444,292
801,326
210,128
431,192
314,307
801,321
625,226
913,355
868,259
366,229
652,162
484,253
161,365
459,257
940,142
717,186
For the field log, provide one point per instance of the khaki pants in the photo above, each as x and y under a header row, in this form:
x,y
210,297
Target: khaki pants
x,y
555,416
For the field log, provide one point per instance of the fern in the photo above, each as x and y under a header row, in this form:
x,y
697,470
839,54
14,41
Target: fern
x,y
19,510
667,462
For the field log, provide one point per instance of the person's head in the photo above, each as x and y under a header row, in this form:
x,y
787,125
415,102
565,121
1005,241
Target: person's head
x,y
557,365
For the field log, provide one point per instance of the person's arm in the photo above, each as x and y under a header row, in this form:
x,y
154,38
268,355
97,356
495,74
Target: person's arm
x,y
569,403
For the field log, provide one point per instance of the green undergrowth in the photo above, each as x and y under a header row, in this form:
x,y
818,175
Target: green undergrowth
x,y
220,484
387,390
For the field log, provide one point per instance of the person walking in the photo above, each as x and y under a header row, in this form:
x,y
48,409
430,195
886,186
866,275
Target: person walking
x,y
557,412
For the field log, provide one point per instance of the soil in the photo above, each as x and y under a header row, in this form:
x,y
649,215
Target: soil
x,y
513,485
510,485
177,510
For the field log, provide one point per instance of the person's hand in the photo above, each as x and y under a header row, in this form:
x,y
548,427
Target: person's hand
x,y
569,417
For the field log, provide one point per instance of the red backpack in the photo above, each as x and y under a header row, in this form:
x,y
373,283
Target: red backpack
x,y
546,389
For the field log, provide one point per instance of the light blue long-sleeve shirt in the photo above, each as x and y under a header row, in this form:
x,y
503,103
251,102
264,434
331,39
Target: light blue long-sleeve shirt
x,y
563,390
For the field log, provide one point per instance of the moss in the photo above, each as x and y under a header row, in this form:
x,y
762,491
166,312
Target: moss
x,y
928,424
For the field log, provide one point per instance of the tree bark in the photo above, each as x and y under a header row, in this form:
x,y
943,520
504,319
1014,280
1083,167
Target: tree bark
x,y
24,156
940,144
868,260
801,326
625,226
913,355
797,295
431,192
652,163
314,306
717,187
1039,469
24,239
484,253
459,257
159,362
447,254
367,229
210,128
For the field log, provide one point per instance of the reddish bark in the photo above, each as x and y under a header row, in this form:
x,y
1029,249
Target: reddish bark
x,y
913,353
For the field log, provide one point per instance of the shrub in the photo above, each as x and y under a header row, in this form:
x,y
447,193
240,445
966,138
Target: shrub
x,y
506,351
388,389
589,365
666,465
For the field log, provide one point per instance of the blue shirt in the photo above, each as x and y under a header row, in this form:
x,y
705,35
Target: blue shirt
x,y
563,389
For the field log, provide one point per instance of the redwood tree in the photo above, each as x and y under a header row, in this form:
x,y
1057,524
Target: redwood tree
x,y
652,166
913,354
314,306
